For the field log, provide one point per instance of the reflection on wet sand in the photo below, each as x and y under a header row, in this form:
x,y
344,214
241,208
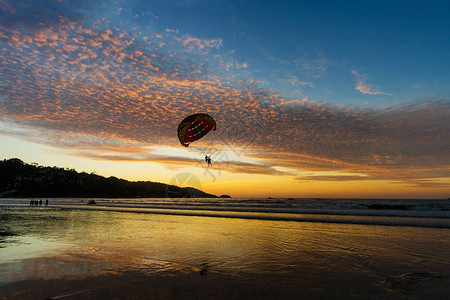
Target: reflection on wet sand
x,y
73,254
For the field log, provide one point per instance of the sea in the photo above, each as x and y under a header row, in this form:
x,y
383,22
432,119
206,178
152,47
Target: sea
x,y
224,248
399,212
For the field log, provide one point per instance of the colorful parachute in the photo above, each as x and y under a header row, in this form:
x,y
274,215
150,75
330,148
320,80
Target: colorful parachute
x,y
195,127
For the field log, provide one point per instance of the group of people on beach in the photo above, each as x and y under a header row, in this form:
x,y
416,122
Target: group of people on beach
x,y
38,202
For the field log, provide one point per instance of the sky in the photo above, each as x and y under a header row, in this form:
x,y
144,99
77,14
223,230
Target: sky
x,y
311,98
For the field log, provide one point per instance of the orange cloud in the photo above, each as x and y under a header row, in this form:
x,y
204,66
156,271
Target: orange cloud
x,y
110,93
364,87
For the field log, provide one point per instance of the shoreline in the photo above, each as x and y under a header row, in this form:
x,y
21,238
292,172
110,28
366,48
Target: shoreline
x,y
70,253
395,217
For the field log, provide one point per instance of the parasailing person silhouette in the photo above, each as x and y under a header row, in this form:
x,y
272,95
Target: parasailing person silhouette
x,y
195,127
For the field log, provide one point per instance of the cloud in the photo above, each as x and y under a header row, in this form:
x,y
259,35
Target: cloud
x,y
294,81
315,68
102,81
313,64
113,92
409,141
219,165
425,183
364,87
202,45
333,178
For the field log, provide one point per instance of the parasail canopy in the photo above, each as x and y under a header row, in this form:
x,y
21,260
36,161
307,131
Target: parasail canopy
x,y
194,127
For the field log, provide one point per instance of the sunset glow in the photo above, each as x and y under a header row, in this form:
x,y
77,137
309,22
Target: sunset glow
x,y
307,103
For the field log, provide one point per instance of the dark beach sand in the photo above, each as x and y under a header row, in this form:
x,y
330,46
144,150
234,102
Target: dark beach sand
x,y
48,253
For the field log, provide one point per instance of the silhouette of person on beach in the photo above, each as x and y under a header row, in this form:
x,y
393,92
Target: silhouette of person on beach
x,y
40,202
46,202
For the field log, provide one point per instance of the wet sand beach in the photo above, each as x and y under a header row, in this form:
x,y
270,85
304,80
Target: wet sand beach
x,y
54,253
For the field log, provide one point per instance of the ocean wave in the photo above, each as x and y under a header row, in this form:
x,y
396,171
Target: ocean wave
x,y
273,216
434,213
